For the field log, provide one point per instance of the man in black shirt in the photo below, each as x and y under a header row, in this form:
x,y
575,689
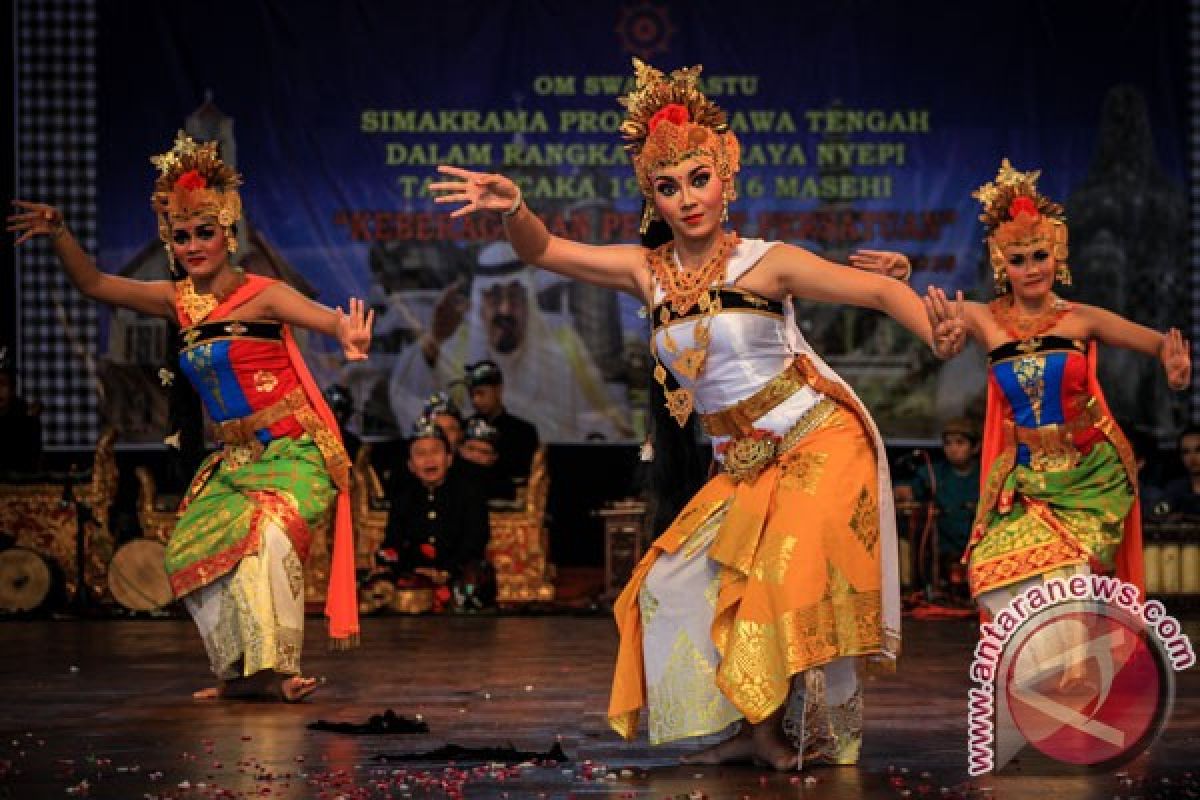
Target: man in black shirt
x,y
518,438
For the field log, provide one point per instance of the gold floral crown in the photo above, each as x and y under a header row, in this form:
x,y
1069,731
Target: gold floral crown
x,y
1015,213
668,120
193,180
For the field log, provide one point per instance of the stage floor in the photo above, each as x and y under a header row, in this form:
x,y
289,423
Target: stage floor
x,y
107,703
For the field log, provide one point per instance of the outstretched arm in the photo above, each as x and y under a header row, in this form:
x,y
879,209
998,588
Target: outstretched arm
x,y
618,267
798,272
353,330
1171,348
38,219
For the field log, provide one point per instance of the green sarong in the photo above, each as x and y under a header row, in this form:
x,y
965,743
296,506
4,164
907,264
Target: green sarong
x,y
1069,516
227,506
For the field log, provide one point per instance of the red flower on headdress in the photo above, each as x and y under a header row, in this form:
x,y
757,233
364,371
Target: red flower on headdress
x,y
191,180
674,113
428,550
1022,205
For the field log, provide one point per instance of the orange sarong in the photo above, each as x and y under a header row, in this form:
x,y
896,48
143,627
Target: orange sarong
x,y
798,553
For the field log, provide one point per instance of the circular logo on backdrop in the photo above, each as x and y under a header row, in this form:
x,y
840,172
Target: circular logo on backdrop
x,y
1088,686
645,29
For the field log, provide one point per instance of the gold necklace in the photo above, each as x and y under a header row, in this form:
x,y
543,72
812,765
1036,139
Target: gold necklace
x,y
682,291
683,288
197,305
1021,326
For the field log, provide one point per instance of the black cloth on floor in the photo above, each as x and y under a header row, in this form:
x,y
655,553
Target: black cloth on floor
x,y
387,722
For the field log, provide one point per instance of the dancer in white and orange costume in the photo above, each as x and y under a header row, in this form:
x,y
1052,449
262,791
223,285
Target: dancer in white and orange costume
x,y
779,577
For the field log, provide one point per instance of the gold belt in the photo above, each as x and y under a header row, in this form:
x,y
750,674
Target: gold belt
x,y
243,447
744,457
242,429
1052,447
739,418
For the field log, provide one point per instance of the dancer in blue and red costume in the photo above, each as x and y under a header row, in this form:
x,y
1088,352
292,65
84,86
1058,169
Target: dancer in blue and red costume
x,y
1058,494
237,554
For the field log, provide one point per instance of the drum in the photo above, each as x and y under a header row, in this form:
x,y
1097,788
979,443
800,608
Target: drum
x,y
137,576
1172,568
25,580
1152,565
1190,567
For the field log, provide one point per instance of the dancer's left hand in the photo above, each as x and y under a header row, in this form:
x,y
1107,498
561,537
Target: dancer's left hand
x,y
1176,357
354,330
882,262
947,321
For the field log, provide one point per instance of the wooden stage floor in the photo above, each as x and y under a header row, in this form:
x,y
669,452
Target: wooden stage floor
x,y
102,709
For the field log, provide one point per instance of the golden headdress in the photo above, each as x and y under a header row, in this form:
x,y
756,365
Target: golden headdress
x,y
1015,213
193,180
668,120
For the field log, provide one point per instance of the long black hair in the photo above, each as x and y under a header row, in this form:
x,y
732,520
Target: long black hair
x,y
681,462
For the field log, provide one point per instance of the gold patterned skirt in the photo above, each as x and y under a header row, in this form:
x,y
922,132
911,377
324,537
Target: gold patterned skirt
x,y
252,619
236,556
756,582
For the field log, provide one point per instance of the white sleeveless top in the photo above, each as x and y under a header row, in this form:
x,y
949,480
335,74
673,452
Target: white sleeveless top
x,y
746,349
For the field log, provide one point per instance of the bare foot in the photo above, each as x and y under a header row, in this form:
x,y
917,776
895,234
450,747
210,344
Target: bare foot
x,y
780,756
735,749
771,748
211,693
295,688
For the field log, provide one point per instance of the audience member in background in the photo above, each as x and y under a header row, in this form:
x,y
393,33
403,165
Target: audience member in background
x,y
952,484
20,426
1146,457
443,412
479,457
518,437
1183,494
341,402
437,529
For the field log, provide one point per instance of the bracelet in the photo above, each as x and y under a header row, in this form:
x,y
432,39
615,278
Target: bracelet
x,y
59,229
516,206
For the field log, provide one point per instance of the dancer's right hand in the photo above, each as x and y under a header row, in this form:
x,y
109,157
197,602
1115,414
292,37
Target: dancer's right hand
x,y
477,191
34,219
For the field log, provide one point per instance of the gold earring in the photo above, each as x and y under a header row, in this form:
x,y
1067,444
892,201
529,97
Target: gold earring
x,y
648,216
231,243
999,275
1063,273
